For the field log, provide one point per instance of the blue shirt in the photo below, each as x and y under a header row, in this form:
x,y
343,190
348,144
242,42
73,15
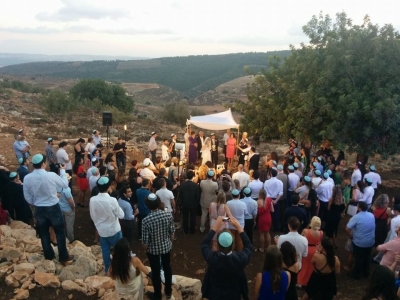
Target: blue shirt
x,y
238,210
363,226
40,187
251,206
141,195
127,208
18,146
22,172
65,194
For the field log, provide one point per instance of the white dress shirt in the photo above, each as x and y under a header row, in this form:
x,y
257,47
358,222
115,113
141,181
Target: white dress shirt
x,y
152,144
299,242
256,185
96,139
273,187
93,181
62,158
315,182
105,212
251,206
368,195
293,181
375,177
243,178
324,191
164,152
356,176
394,223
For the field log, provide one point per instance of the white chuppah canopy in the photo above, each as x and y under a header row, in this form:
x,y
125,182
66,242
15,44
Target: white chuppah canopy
x,y
218,121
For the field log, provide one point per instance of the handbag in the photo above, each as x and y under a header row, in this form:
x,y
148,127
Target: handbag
x,y
352,209
82,175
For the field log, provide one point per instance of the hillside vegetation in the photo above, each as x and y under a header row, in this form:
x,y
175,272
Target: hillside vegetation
x,y
191,75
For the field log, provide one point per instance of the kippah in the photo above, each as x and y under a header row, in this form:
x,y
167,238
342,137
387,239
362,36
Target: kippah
x,y
319,158
210,173
247,190
13,175
307,179
280,167
317,172
291,168
172,134
296,165
94,130
326,175
153,133
314,164
369,180
235,192
94,159
213,133
329,172
94,171
152,197
225,239
103,180
372,167
49,139
37,159
20,160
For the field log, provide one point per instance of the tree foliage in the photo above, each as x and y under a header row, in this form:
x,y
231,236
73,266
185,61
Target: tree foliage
x,y
109,94
176,112
58,103
344,86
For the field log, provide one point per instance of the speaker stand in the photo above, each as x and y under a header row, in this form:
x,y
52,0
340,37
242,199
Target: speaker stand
x,y
108,141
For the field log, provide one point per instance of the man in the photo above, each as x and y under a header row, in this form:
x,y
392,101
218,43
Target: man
x,y
254,159
105,212
156,182
225,140
390,249
128,220
242,176
166,197
63,158
141,195
296,171
356,175
189,196
225,277
120,153
324,193
361,231
40,191
21,148
16,196
158,235
95,164
251,213
293,181
316,179
172,144
299,242
67,206
295,211
146,173
238,209
95,175
209,189
395,221
214,150
274,189
51,156
165,150
153,146
256,185
200,142
96,137
375,177
23,168
368,192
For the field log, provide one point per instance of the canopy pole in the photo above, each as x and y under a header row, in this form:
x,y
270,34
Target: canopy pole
x,y
237,141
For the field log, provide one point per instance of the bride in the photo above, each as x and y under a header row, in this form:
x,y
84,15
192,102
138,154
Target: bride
x,y
206,151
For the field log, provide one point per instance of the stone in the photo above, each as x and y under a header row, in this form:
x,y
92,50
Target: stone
x,y
31,286
32,245
26,284
70,296
19,225
11,253
79,244
5,230
79,251
47,266
189,286
69,285
101,293
99,282
11,281
47,279
21,233
9,241
80,269
26,267
22,294
4,270
111,296
33,258
96,250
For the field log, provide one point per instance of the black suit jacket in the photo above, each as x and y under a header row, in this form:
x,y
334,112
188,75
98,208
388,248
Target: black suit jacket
x,y
189,194
199,144
216,144
254,161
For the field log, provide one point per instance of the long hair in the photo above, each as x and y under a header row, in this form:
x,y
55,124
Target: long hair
x,y
109,158
121,261
288,254
273,264
361,186
76,165
262,195
382,201
330,252
337,195
133,174
381,284
221,199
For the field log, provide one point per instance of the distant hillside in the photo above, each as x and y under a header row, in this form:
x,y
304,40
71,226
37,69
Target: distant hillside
x,y
191,75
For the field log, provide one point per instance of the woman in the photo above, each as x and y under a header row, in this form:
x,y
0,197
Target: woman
x,y
322,283
264,209
216,209
303,191
273,282
79,149
291,265
335,213
121,179
230,149
357,195
111,165
314,237
390,249
382,215
83,183
135,183
95,154
244,148
381,285
206,151
192,148
4,179
340,158
127,272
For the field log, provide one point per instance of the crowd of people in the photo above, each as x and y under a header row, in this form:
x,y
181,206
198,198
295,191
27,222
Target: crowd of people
x,y
300,196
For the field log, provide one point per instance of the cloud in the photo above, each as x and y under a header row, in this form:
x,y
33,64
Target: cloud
x,y
31,30
77,10
135,31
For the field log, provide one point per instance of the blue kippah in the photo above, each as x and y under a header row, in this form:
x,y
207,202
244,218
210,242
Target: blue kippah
x,y
307,179
210,173
247,190
94,171
314,164
103,180
20,160
326,175
225,239
291,168
369,180
152,197
13,175
37,159
280,167
235,192
329,172
372,167
49,139
296,165
317,172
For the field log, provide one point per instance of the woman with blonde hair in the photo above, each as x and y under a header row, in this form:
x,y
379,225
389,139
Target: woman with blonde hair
x,y
314,237
216,209
336,209
264,209
382,214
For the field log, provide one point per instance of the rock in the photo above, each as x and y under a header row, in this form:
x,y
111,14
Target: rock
x,y
32,286
69,285
33,258
101,293
20,225
25,267
80,269
32,245
47,279
79,251
96,250
11,253
70,296
22,294
80,244
99,282
19,234
11,281
111,296
47,266
5,269
189,286
9,241
26,284
6,230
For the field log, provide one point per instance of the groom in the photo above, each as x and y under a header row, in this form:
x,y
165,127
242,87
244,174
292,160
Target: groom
x,y
200,142
214,150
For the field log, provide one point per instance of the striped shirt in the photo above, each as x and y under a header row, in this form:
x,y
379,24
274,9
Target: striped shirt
x,y
51,155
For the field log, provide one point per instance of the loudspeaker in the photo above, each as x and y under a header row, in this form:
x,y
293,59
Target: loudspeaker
x,y
107,118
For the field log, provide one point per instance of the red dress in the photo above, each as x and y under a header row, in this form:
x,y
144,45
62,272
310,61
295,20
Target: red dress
x,y
264,216
230,147
83,183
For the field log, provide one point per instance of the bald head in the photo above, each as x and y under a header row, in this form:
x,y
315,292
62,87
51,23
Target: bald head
x,y
240,167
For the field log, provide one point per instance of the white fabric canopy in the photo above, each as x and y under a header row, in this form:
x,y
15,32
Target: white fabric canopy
x,y
219,121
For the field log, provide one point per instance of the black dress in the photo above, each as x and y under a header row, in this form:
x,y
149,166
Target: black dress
x,y
243,144
291,293
332,219
322,286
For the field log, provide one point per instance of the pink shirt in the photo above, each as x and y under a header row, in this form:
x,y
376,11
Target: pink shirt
x,y
389,248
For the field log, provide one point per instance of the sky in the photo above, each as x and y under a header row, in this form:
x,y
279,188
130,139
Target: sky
x,y
158,28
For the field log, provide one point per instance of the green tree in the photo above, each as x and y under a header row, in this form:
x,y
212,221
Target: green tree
x,y
176,112
58,103
342,86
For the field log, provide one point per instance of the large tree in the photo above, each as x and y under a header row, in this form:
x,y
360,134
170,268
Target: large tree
x,y
343,85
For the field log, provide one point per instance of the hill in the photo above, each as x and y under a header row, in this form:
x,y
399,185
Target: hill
x,y
191,75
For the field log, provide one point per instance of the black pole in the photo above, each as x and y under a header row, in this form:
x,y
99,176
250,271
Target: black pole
x,y
108,143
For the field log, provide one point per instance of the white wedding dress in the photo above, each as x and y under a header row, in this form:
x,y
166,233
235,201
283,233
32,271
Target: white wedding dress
x,y
206,151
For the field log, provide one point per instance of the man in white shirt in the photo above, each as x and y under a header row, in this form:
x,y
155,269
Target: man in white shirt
x,y
146,173
63,158
368,192
299,242
316,179
375,177
164,150
242,176
166,196
293,181
324,193
251,214
356,175
256,185
153,146
238,209
96,138
225,139
274,189
90,146
95,164
105,212
95,175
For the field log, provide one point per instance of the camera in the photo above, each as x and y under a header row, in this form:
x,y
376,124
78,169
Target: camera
x,y
226,219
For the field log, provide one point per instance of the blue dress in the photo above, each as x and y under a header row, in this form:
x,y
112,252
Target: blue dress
x,y
266,287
